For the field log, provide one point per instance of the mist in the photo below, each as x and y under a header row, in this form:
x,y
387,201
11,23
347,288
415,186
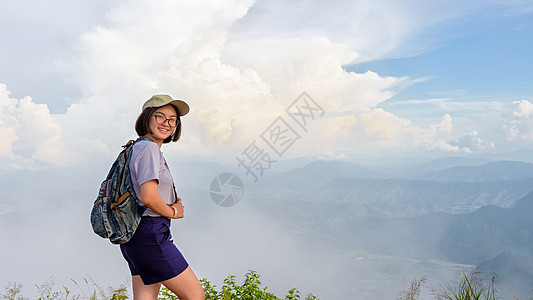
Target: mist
x,y
46,232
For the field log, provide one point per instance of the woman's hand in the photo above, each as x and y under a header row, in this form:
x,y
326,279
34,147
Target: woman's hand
x,y
151,198
180,209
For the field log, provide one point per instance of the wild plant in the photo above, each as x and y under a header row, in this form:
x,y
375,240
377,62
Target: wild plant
x,y
13,292
413,292
470,288
250,289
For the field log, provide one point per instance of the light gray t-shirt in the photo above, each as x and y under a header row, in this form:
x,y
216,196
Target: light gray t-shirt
x,y
147,163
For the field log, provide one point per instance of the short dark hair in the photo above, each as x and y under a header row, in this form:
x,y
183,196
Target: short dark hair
x,y
142,125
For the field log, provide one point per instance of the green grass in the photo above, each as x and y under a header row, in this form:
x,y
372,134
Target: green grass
x,y
250,289
468,288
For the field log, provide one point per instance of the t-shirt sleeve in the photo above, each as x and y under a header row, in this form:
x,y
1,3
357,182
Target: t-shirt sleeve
x,y
147,164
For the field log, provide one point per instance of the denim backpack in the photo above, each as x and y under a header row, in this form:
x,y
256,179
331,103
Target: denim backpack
x,y
116,213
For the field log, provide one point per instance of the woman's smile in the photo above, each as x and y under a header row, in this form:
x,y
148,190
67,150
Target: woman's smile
x,y
159,132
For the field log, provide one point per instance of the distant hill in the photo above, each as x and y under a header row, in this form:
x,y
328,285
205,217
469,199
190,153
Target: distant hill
x,y
498,170
346,191
465,238
318,173
525,155
514,275
443,164
404,217
490,230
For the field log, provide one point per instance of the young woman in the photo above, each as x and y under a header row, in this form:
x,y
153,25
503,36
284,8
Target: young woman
x,y
152,257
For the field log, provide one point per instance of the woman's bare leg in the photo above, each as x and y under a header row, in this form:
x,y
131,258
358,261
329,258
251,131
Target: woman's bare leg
x,y
142,291
186,286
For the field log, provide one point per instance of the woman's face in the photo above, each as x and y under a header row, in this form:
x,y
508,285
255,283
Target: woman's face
x,y
160,123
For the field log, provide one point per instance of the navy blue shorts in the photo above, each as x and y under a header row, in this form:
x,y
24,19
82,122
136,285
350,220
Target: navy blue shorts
x,y
151,252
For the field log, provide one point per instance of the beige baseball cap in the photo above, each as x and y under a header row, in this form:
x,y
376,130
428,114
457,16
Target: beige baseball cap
x,y
162,100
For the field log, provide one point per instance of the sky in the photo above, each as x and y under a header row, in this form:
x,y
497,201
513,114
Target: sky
x,y
443,77
391,78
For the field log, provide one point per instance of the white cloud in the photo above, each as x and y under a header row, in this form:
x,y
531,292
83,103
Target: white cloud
x,y
374,29
381,130
160,47
471,142
7,121
524,110
239,64
235,89
519,126
311,64
30,137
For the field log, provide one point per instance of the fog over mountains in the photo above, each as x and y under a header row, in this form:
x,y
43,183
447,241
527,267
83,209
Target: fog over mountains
x,y
337,229
469,214
365,193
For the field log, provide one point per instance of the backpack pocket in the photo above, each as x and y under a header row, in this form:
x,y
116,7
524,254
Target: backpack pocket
x,y
99,211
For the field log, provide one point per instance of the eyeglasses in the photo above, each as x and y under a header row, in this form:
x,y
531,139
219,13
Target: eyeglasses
x,y
161,120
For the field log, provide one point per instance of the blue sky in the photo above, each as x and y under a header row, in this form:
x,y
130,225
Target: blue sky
x,y
439,78
491,62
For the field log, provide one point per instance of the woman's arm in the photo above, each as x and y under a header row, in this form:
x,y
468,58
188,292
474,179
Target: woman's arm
x,y
151,198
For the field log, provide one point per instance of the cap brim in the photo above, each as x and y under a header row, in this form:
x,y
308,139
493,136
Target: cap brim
x,y
182,106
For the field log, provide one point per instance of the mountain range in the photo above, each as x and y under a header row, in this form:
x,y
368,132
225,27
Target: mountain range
x,y
347,190
492,171
474,215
